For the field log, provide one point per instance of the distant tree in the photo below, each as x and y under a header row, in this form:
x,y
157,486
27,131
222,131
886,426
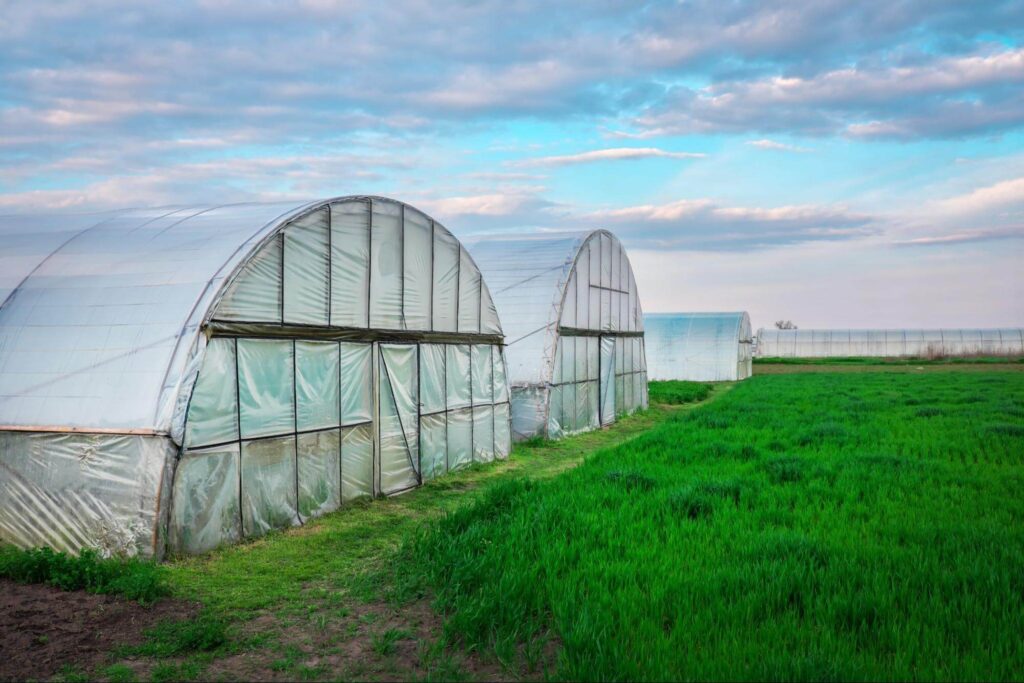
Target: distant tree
x,y
785,324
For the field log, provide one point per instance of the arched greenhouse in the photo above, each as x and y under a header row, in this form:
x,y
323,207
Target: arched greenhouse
x,y
700,347
889,343
183,378
573,328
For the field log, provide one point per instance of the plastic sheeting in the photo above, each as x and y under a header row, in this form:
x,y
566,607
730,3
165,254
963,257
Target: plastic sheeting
x,y
306,269
205,510
889,343
699,347
268,485
546,287
74,491
356,462
213,412
266,387
399,449
319,472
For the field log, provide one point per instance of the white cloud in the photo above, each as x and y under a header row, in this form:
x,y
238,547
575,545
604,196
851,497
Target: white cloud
x,y
612,154
777,146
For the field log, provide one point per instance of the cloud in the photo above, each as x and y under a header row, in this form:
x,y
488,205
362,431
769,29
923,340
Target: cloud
x,y
612,154
706,224
777,146
946,96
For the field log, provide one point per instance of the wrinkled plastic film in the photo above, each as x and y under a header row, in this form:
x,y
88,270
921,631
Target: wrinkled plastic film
x,y
356,462
319,473
205,512
268,485
74,491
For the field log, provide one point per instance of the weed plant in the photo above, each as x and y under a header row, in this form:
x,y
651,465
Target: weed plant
x,y
132,578
801,527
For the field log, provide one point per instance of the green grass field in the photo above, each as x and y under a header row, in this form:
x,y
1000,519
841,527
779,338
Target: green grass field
x,y
811,527
800,527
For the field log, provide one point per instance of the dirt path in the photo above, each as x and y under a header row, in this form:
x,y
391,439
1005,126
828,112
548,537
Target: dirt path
x,y
785,369
43,628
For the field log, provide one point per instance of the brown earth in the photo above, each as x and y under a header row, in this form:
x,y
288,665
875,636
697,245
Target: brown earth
x,y
43,628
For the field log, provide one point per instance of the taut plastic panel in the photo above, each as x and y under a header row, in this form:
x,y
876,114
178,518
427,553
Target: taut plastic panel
x,y
498,371
483,381
469,295
433,445
356,382
386,266
316,384
399,454
307,276
356,462
483,434
432,378
417,282
268,485
607,380
266,387
205,510
489,322
213,410
502,435
255,294
350,274
457,371
460,438
319,472
446,281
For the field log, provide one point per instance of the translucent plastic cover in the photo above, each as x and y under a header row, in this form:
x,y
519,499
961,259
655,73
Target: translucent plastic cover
x,y
772,343
700,347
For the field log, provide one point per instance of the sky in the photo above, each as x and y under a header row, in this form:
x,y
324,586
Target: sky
x,y
833,163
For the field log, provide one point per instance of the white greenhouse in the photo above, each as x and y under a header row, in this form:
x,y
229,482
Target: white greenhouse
x,y
177,379
573,328
888,343
699,347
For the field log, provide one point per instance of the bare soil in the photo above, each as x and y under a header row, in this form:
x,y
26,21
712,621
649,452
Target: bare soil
x,y
43,628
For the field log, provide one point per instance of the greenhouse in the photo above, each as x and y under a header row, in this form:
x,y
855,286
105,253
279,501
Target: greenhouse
x,y
699,347
177,379
573,328
889,343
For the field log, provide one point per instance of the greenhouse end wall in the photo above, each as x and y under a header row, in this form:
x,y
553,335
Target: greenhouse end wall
x,y
573,323
698,347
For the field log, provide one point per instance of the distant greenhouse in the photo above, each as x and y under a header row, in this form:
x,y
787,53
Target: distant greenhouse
x,y
186,377
773,343
573,328
700,347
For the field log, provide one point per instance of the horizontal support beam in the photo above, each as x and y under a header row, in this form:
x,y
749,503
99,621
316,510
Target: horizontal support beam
x,y
580,332
53,429
223,328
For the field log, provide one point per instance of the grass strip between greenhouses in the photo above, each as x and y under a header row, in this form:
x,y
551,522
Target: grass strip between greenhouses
x,y
802,527
678,393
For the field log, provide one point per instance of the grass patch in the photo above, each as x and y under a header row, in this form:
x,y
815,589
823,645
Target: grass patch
x,y
133,578
678,393
860,537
